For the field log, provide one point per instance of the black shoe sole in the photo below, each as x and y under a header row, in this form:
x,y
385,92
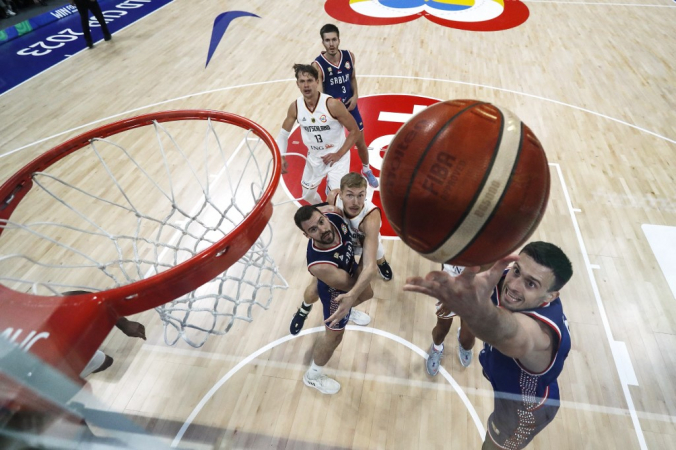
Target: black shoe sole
x,y
383,276
302,323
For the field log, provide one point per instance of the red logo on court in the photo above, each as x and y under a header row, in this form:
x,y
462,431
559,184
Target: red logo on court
x,y
488,15
383,116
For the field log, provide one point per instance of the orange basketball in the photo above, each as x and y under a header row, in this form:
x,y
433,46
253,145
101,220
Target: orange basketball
x,y
464,182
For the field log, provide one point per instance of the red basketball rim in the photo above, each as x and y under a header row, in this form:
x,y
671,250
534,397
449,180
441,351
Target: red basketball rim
x,y
170,283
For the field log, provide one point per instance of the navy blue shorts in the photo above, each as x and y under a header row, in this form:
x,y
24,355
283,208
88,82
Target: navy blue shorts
x,y
327,295
357,118
513,424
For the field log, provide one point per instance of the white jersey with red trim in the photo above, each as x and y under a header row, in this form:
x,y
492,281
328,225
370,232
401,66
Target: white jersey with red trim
x,y
321,132
354,223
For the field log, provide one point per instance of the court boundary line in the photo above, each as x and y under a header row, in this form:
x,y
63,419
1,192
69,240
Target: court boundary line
x,y
261,83
207,397
602,311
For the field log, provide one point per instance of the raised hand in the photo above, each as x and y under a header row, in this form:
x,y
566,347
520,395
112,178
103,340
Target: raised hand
x,y
462,294
345,303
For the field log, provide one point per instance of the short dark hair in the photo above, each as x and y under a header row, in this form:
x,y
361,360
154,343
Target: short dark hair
x,y
305,68
304,213
551,256
329,28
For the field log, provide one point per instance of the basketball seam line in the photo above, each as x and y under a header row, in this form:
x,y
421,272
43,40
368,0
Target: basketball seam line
x,y
477,193
422,158
504,192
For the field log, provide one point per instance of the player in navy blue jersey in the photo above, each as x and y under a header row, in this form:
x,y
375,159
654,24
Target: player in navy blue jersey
x,y
364,220
338,78
519,316
330,258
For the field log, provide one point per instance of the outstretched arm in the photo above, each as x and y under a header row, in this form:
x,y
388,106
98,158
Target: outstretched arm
x,y
512,333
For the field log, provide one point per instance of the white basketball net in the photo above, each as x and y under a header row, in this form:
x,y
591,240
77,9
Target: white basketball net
x,y
136,203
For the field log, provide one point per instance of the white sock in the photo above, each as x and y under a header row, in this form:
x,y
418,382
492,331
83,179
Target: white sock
x,y
305,305
438,347
364,167
314,371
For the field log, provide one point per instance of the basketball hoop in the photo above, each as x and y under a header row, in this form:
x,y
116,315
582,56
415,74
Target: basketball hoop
x,y
139,219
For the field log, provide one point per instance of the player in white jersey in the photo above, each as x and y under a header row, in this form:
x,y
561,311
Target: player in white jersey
x,y
364,220
350,198
323,121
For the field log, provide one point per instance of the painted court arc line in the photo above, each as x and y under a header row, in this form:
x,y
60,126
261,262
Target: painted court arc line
x,y
251,357
630,404
458,389
602,312
261,83
488,393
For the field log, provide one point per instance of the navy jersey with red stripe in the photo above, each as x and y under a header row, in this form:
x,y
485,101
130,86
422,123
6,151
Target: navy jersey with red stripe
x,y
508,376
337,78
341,255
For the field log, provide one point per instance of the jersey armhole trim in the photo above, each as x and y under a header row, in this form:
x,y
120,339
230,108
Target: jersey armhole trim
x,y
367,214
328,97
553,327
321,69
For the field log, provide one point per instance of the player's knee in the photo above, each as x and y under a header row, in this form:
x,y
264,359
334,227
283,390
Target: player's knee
x,y
311,294
335,336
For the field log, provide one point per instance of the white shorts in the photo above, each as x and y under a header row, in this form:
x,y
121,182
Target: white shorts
x,y
450,315
453,271
315,171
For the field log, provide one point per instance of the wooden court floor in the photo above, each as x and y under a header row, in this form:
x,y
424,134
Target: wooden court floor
x,y
596,81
